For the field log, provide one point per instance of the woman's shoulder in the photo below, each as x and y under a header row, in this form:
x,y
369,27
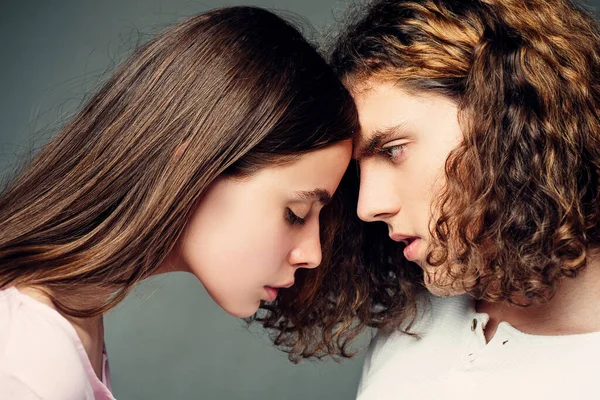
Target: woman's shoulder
x,y
38,356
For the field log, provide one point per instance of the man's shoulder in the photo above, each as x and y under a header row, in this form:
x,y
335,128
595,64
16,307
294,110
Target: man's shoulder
x,y
435,317
433,313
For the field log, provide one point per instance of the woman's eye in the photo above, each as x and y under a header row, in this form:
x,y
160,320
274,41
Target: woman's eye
x,y
292,218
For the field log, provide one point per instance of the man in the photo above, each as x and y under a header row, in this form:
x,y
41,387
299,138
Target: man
x,y
480,150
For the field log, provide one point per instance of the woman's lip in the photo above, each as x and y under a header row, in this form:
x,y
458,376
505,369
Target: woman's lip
x,y
285,285
271,293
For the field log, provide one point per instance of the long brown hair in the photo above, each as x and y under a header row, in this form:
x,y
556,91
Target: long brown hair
x,y
521,205
101,206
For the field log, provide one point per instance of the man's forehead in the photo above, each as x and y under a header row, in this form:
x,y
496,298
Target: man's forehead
x,y
377,123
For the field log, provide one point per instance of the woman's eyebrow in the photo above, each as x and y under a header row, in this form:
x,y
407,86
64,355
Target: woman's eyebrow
x,y
320,195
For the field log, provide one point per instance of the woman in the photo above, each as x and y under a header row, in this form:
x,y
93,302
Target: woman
x,y
211,150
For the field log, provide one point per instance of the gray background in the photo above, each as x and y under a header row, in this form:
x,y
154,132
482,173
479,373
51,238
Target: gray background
x,y
168,340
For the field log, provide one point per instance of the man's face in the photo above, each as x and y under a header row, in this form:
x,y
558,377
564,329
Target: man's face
x,y
402,148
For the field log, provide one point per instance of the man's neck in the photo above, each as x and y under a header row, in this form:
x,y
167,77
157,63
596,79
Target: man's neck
x,y
574,309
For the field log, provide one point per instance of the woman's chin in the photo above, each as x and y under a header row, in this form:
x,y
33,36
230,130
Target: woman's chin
x,y
241,311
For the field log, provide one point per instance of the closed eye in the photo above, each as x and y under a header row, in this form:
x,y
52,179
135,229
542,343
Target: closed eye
x,y
292,218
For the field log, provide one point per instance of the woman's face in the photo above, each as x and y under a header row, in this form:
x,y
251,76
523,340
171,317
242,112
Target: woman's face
x,y
247,237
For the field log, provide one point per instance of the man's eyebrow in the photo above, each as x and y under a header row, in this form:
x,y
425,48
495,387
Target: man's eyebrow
x,y
367,148
320,195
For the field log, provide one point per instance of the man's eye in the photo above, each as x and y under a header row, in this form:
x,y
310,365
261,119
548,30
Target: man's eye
x,y
292,218
394,152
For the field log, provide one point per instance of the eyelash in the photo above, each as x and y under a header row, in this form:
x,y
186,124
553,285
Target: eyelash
x,y
387,151
292,218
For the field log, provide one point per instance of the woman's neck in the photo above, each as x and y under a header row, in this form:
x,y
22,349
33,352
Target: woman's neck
x,y
89,330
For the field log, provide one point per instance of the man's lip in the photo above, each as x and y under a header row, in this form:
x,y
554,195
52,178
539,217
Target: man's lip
x,y
403,238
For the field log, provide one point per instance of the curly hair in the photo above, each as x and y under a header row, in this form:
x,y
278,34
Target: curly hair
x,y
520,207
362,282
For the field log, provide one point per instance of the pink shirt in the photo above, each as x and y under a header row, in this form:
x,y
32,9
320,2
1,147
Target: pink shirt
x,y
41,355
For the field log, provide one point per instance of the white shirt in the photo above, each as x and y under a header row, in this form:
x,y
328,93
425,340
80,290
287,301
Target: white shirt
x,y
451,360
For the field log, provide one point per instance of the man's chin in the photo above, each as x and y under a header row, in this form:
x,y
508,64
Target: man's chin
x,y
442,286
